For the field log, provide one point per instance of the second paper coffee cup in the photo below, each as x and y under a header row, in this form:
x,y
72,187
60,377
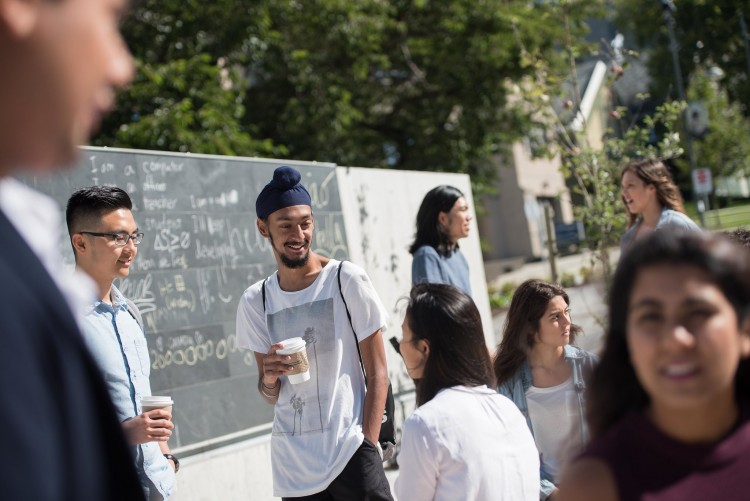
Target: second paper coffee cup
x,y
295,348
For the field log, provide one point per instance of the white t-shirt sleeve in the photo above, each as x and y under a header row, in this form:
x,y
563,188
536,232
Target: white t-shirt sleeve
x,y
368,313
252,332
418,467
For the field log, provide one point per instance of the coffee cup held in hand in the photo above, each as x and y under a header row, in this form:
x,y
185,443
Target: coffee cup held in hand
x,y
152,402
295,348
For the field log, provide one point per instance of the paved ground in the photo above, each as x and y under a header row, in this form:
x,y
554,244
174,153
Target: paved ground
x,y
497,275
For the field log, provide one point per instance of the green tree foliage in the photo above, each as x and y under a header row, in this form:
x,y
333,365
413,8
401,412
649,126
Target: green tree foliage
x,y
721,149
188,94
592,165
184,105
411,84
706,31
160,31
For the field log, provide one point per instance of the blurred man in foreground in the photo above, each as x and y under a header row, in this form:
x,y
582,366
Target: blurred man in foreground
x,y
61,62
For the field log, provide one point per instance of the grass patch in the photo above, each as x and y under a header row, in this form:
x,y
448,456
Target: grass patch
x,y
737,215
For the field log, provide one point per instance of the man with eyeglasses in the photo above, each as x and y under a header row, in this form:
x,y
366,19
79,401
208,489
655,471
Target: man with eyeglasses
x,y
105,236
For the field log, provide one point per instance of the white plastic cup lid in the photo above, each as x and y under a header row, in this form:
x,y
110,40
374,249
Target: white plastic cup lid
x,y
291,345
156,399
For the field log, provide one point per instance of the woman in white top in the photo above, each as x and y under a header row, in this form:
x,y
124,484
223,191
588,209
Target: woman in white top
x,y
464,441
651,199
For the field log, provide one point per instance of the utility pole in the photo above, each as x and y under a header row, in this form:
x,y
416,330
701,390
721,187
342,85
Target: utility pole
x,y
743,28
549,222
669,8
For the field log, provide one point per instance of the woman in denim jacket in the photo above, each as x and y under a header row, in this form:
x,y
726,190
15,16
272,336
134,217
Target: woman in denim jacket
x,y
543,374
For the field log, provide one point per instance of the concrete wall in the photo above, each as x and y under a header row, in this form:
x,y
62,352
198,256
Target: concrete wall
x,y
540,177
511,223
598,120
380,208
380,212
504,226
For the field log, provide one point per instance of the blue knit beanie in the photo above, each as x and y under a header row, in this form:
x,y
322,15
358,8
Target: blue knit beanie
x,y
283,191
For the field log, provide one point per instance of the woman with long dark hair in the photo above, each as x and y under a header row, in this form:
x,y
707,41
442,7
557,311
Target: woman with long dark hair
x,y
538,367
651,199
464,441
669,404
442,220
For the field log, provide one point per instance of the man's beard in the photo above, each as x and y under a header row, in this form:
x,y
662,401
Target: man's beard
x,y
295,263
292,263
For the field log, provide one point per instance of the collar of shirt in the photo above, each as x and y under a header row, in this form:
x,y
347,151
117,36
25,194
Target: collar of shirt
x,y
118,303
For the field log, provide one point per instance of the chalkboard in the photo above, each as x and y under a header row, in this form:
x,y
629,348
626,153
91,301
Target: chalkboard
x,y
201,250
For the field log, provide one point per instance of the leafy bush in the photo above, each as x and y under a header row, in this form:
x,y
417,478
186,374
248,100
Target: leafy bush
x,y
500,299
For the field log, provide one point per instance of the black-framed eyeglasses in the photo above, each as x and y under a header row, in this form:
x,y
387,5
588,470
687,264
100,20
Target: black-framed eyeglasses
x,y
120,239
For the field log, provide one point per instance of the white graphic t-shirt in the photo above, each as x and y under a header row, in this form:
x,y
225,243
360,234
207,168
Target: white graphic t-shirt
x,y
317,424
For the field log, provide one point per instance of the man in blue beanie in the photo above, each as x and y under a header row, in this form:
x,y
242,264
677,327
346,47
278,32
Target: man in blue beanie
x,y
324,443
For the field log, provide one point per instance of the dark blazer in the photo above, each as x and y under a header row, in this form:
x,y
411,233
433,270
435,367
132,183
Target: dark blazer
x,y
59,435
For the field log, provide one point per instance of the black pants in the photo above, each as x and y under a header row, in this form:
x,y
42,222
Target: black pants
x,y
363,479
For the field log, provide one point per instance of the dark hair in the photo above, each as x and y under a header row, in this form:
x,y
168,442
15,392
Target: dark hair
x,y
653,171
429,230
527,307
449,320
615,389
740,236
87,205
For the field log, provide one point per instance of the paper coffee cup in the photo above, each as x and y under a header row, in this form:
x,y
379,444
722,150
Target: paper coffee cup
x,y
152,402
295,348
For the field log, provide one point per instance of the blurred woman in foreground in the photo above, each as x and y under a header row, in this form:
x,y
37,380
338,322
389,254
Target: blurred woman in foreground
x,y
669,404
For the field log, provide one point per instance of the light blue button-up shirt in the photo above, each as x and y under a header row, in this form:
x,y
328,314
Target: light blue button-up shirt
x,y
119,346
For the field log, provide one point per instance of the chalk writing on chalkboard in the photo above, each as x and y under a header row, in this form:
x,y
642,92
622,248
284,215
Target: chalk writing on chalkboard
x,y
201,250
